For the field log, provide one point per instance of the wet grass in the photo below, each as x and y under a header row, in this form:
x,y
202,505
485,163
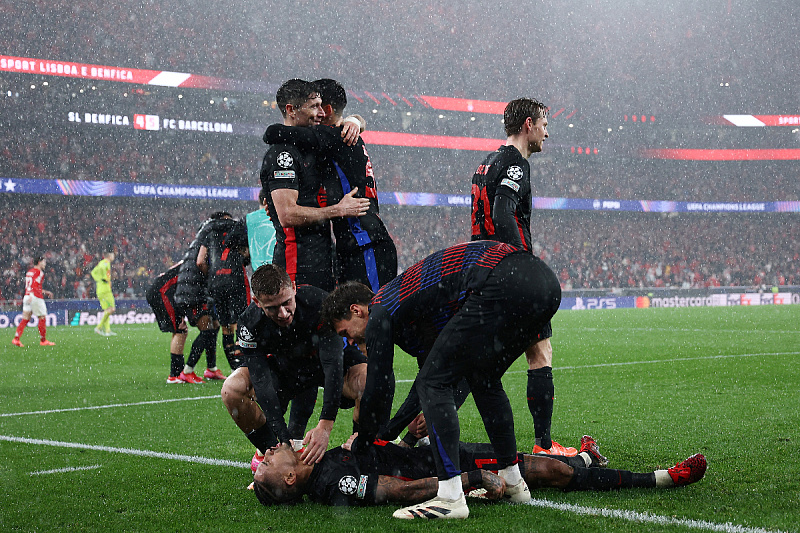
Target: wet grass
x,y
653,386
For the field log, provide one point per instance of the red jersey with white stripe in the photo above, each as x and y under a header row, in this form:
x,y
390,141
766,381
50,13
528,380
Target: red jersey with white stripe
x,y
33,282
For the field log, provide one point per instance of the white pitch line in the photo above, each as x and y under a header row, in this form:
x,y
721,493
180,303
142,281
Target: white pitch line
x,y
601,365
65,470
110,406
634,516
127,451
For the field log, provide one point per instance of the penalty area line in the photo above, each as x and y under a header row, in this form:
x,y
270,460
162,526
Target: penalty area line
x,y
635,516
126,451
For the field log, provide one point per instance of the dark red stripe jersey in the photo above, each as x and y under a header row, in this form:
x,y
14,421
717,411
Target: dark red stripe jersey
x,y
425,296
356,169
304,248
503,172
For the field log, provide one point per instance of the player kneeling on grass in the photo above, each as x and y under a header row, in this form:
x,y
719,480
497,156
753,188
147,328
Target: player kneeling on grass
x,y
384,473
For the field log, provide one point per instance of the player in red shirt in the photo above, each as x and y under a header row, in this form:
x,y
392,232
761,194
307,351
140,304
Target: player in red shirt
x,y
33,302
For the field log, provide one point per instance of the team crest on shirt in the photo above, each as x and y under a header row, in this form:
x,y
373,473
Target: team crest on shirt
x,y
348,485
245,334
515,173
285,160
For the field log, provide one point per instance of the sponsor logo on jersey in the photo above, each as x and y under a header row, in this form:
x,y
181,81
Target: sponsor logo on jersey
x,y
286,174
510,184
245,344
348,485
515,173
245,334
285,160
362,487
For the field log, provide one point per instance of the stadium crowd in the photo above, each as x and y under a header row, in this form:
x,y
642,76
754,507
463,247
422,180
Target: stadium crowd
x,y
234,161
656,54
586,250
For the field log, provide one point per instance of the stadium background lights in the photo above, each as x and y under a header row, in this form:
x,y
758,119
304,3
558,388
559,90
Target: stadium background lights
x,y
642,118
582,150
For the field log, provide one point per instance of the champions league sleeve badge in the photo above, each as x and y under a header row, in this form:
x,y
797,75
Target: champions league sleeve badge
x,y
348,485
285,160
515,173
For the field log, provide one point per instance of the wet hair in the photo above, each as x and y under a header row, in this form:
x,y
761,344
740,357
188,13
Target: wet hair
x,y
333,94
336,306
38,259
269,497
517,112
269,279
219,215
294,92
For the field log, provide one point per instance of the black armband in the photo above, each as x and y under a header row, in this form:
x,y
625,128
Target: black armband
x,y
475,479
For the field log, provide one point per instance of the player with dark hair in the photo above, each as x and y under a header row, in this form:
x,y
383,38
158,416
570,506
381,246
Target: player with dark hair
x,y
299,212
385,473
225,265
365,251
285,353
465,312
33,303
501,210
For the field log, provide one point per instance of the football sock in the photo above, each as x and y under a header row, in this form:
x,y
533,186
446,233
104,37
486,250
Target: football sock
x,y
262,438
188,369
196,351
21,328
450,489
301,411
510,474
105,322
176,364
540,403
42,329
609,479
662,479
210,344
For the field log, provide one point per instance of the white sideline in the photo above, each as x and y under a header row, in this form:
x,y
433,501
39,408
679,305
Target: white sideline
x,y
110,406
634,516
127,451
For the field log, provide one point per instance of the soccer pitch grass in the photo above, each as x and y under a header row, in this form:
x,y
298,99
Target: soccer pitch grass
x,y
92,439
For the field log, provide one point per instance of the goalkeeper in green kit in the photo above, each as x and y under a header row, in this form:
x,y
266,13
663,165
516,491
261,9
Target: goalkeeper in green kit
x,y
102,278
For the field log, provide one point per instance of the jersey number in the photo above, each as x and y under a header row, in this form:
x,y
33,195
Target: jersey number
x,y
481,210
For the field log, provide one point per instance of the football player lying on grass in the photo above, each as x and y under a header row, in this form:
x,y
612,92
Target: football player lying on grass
x,y
386,473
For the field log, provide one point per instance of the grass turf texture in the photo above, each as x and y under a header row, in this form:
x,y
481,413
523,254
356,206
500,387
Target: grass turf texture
x,y
652,386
